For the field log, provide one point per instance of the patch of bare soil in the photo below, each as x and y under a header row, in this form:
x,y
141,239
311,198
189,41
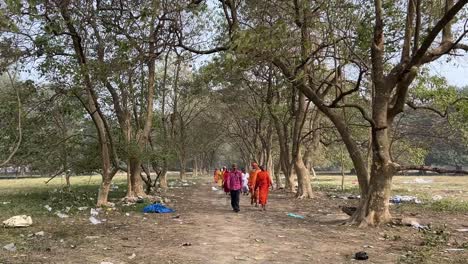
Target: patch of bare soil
x,y
204,229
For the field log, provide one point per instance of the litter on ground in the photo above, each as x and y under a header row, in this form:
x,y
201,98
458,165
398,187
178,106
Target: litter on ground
x,y
295,216
397,199
94,220
10,247
18,221
157,208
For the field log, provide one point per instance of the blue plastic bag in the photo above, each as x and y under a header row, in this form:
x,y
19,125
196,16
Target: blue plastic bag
x,y
157,208
296,216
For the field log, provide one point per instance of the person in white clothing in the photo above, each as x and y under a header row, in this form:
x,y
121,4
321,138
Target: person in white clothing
x,y
245,182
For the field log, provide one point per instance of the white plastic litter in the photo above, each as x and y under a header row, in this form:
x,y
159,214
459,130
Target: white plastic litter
x,y
41,233
94,220
437,197
61,215
82,208
422,181
18,221
132,256
48,208
10,247
214,189
404,199
94,212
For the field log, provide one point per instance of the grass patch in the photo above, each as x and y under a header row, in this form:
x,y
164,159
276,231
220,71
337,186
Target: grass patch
x,y
448,205
431,242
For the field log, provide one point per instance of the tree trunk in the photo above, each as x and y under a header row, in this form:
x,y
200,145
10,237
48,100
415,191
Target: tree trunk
x,y
304,188
182,161
135,178
279,185
103,191
163,180
195,167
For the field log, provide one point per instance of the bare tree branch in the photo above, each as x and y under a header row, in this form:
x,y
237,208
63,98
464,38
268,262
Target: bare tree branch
x,y
20,131
429,168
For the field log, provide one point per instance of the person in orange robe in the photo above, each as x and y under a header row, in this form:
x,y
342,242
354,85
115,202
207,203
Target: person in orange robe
x,y
263,184
215,175
252,182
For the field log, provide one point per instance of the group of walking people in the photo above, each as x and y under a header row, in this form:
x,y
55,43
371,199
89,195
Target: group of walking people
x,y
237,182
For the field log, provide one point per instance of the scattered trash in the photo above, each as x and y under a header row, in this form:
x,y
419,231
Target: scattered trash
x,y
41,233
280,236
18,221
140,199
167,200
295,216
91,237
94,212
61,215
214,189
48,208
157,208
127,214
361,255
114,187
437,198
132,256
349,210
10,247
82,208
106,262
410,221
240,258
367,246
397,199
462,230
423,181
186,244
455,249
4,203
94,220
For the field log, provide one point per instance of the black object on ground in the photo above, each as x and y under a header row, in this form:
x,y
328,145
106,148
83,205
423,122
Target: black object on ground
x,y
361,255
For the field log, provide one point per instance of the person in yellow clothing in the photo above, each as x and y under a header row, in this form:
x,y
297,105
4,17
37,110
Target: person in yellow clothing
x,y
215,176
220,177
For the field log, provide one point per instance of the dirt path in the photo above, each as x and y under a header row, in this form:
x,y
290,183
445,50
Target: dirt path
x,y
214,234
218,235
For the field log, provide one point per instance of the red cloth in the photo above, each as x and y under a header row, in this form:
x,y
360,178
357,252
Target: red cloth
x,y
225,181
263,184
